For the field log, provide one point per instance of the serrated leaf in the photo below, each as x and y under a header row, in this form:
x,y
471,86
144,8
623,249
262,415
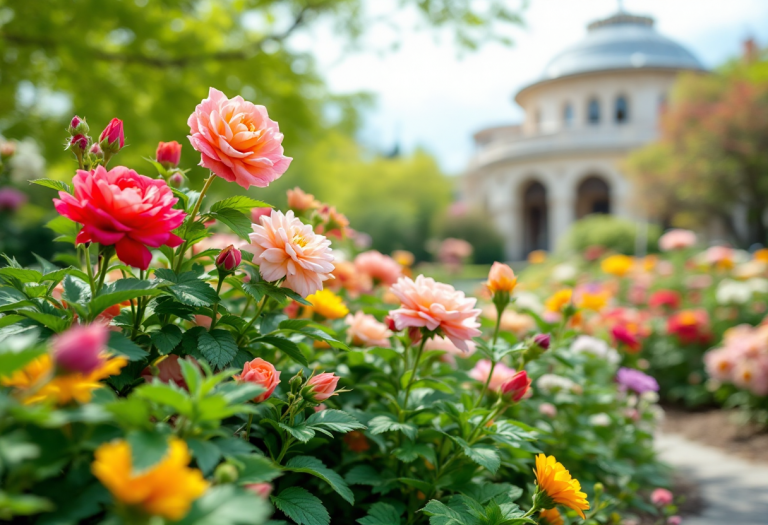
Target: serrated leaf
x,y
167,338
188,289
387,423
441,514
218,347
235,221
312,465
53,184
147,449
66,228
165,394
483,455
336,420
170,306
256,469
301,432
119,291
239,203
75,290
286,346
22,274
364,475
206,453
124,346
410,451
381,514
301,506
54,322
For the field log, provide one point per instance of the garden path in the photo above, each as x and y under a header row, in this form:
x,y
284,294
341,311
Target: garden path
x,y
735,490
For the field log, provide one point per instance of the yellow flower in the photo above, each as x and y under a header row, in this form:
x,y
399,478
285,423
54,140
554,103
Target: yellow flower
x,y
537,257
167,489
617,265
36,382
403,257
595,301
649,262
328,304
557,302
551,517
557,484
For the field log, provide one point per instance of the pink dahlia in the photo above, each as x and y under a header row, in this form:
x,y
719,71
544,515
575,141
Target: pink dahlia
x,y
433,305
382,269
285,247
123,208
237,140
677,240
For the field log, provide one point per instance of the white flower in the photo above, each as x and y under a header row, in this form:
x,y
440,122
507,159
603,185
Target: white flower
x,y
758,285
733,292
650,397
528,301
585,344
549,383
600,420
27,163
564,272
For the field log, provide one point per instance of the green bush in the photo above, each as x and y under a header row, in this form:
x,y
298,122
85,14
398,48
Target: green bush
x,y
478,231
615,233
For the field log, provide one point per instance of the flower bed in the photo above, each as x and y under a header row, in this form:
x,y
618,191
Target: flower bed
x,y
228,362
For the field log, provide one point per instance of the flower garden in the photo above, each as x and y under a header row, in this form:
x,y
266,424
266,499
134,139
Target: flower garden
x,y
198,362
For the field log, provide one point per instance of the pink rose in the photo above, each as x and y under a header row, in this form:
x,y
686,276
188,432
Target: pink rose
x,y
299,201
82,348
674,520
261,373
677,240
501,374
122,208
169,154
237,140
661,497
365,330
446,345
113,133
258,213
432,305
548,409
321,387
380,268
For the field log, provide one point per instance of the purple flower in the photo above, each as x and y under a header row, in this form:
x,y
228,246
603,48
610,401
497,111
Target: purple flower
x,y
11,199
630,379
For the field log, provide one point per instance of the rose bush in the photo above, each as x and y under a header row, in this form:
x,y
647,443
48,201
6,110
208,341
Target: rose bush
x,y
191,366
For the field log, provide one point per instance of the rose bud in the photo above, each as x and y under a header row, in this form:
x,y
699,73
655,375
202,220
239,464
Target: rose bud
x,y
501,278
320,387
78,126
262,373
517,386
78,144
96,150
112,138
390,324
229,259
661,497
7,149
168,154
262,490
542,340
81,349
176,180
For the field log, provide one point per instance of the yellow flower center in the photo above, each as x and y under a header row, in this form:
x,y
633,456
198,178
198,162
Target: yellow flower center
x,y
300,240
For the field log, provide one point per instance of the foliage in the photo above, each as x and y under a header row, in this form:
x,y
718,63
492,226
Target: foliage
x,y
611,232
476,229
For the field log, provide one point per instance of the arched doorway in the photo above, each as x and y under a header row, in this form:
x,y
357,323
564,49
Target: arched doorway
x,y
535,220
593,196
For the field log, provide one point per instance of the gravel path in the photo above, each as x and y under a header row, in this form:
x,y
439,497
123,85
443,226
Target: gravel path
x,y
735,490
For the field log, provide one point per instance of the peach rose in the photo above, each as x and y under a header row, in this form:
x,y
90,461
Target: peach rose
x,y
321,387
677,239
382,269
237,140
365,330
299,201
261,373
501,278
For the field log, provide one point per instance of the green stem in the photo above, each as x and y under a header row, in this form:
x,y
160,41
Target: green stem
x,y
493,361
248,427
104,266
411,380
89,269
191,219
139,308
215,308
262,303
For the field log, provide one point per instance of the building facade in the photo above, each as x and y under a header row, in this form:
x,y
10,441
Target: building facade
x,y
596,101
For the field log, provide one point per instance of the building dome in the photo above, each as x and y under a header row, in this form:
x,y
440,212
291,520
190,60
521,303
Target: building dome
x,y
622,41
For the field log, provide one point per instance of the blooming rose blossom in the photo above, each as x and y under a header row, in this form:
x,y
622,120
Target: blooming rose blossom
x,y
630,379
237,140
261,373
365,330
321,387
11,199
624,333
677,240
380,268
501,374
501,278
432,305
690,326
661,497
674,520
168,154
284,247
299,201
517,386
82,348
123,208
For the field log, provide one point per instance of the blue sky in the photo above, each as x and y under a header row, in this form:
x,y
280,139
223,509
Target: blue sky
x,y
431,95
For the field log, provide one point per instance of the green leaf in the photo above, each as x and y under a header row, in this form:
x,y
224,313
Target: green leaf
x,y
75,290
441,514
286,346
381,514
485,492
165,394
387,423
53,184
119,291
301,432
188,288
22,274
256,469
218,347
334,420
66,228
417,484
124,346
9,319
12,359
167,338
54,322
484,455
254,290
11,297
227,505
312,465
409,451
131,412
206,453
235,220
239,203
364,475
301,506
147,449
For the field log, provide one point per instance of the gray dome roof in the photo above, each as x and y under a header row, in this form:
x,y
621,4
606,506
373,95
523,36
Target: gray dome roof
x,y
622,41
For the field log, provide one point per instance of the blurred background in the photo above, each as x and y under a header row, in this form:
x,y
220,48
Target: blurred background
x,y
515,126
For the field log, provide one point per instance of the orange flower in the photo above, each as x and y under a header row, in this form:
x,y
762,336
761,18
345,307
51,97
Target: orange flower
x,y
167,489
537,257
551,517
559,300
558,485
617,265
501,278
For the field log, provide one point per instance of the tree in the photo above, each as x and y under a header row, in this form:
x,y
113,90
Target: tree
x,y
712,156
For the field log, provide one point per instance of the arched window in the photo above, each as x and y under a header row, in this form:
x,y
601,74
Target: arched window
x,y
593,195
621,113
593,111
535,217
568,115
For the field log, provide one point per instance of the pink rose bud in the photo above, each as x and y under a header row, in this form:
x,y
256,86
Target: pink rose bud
x,y
169,154
81,349
320,387
542,340
78,144
112,135
262,373
390,324
229,259
7,149
517,386
501,278
96,150
78,126
661,497
674,520
176,180
262,490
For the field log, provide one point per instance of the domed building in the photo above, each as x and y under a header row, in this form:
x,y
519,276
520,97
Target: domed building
x,y
595,102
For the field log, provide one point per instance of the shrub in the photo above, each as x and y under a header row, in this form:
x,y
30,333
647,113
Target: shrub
x,y
611,232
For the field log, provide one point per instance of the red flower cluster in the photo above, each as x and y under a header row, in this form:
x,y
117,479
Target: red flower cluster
x,y
690,326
